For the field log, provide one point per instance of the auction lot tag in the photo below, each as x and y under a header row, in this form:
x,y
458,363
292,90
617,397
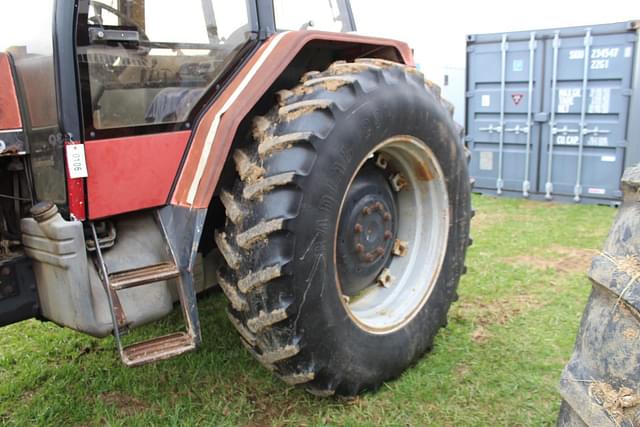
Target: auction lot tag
x,y
76,161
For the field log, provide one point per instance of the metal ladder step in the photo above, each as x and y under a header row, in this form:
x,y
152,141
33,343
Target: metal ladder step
x,y
156,349
143,276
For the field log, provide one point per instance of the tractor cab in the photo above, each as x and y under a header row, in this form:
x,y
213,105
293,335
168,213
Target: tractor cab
x,y
91,74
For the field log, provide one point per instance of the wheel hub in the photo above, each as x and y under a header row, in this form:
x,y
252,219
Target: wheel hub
x,y
367,230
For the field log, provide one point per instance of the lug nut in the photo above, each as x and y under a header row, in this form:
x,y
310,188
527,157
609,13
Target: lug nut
x,y
380,250
387,235
382,161
368,258
358,228
398,182
385,278
366,211
379,206
359,248
386,216
400,248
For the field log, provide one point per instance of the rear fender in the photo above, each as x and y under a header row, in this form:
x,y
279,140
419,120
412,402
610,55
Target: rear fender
x,y
218,126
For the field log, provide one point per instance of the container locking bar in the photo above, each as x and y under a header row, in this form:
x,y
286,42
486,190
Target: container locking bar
x,y
553,130
526,183
518,129
594,131
563,130
588,40
491,129
504,46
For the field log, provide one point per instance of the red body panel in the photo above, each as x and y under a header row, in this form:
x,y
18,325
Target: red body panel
x,y
129,174
9,110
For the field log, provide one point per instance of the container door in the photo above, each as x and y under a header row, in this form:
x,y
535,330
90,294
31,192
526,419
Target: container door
x,y
584,140
505,92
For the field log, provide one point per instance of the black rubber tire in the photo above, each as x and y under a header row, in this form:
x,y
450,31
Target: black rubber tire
x,y
283,210
606,358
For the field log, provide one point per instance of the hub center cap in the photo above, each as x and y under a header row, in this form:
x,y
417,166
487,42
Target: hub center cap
x,y
367,230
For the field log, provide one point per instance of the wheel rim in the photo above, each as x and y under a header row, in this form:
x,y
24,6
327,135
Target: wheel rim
x,y
404,275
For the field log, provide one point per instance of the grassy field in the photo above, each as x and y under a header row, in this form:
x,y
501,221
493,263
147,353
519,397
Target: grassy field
x,y
497,363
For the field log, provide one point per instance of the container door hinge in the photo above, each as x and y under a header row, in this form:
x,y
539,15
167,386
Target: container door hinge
x,y
541,117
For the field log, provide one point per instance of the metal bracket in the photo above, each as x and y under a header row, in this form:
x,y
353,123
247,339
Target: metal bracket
x,y
563,130
594,131
518,130
491,129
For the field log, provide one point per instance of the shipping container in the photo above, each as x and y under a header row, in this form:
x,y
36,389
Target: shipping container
x,y
454,89
531,131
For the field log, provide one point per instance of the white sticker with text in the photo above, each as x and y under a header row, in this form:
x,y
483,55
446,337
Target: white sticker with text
x,y
76,161
486,160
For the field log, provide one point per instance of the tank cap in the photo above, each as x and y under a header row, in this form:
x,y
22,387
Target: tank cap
x,y
42,211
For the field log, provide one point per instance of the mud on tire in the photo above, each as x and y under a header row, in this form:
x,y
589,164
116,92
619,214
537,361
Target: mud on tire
x,y
283,216
600,384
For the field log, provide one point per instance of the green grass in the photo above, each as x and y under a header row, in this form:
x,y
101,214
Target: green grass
x,y
497,363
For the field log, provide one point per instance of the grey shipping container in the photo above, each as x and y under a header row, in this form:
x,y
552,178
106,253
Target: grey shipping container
x,y
531,129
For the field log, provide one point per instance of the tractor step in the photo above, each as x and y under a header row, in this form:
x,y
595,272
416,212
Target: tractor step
x,y
160,348
157,349
143,276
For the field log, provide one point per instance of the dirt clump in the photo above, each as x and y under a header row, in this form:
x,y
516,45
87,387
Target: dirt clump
x,y
630,334
481,335
485,220
617,403
124,403
630,265
498,312
461,371
563,260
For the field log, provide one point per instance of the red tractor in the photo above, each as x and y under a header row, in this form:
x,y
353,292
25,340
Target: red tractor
x,y
150,150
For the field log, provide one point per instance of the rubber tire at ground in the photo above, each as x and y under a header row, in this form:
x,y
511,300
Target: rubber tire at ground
x,y
282,217
607,350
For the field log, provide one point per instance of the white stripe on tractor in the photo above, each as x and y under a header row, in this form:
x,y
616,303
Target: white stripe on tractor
x,y
213,130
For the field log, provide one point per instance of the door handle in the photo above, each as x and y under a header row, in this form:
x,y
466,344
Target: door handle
x,y
104,36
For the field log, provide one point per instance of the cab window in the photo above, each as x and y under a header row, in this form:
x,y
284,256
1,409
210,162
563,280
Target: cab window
x,y
150,61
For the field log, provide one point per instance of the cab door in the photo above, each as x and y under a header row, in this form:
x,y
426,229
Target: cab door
x,y
146,67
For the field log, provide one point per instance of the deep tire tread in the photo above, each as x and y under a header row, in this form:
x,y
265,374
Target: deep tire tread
x,y
247,239
258,279
267,323
258,189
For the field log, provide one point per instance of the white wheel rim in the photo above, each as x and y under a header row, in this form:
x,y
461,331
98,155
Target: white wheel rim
x,y
423,210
